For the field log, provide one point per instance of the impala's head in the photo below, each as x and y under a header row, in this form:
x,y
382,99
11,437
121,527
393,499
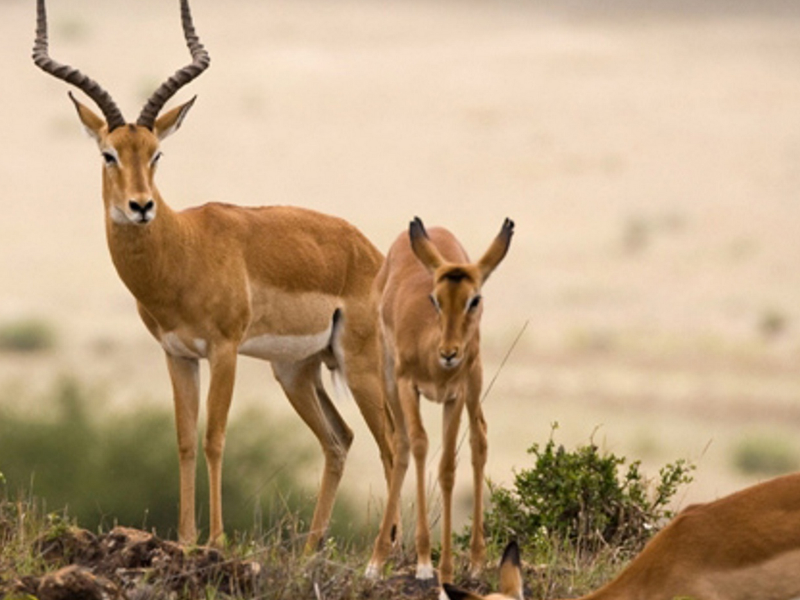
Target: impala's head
x,y
511,587
456,290
130,152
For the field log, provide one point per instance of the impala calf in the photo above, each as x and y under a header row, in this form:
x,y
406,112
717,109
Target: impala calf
x,y
430,306
290,286
745,546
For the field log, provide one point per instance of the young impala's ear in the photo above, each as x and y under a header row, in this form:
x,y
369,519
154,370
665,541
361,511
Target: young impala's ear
x,y
170,122
423,247
497,251
93,124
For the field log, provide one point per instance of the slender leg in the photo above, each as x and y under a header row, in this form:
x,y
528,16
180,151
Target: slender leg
x,y
186,394
409,399
479,448
364,371
383,543
299,382
447,479
222,361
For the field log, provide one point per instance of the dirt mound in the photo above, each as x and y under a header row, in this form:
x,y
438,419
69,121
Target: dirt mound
x,y
128,564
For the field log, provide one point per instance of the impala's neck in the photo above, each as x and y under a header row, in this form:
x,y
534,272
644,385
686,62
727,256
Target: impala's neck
x,y
148,255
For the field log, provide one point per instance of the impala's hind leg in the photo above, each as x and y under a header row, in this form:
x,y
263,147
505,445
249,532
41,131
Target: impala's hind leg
x,y
301,382
361,352
402,448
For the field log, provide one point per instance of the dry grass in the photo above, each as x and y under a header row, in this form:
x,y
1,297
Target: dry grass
x,y
48,556
647,154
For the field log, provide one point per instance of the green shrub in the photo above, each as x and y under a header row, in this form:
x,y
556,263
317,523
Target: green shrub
x,y
29,335
585,499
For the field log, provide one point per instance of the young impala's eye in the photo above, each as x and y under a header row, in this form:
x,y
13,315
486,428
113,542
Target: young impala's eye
x,y
109,158
474,303
156,157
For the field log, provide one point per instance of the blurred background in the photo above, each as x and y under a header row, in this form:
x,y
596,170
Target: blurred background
x,y
648,152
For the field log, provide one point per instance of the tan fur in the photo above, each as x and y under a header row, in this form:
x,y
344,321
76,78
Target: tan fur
x,y
511,587
216,278
744,546
435,353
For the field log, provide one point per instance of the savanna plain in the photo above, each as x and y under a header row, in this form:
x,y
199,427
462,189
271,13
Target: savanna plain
x,y
648,153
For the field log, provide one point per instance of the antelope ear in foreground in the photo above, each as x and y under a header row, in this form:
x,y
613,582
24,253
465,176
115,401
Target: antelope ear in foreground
x,y
510,580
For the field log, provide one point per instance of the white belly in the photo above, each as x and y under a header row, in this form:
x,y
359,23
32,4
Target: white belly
x,y
281,348
175,345
269,346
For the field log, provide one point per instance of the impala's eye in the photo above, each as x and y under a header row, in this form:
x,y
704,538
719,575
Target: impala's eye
x,y
109,158
156,157
474,303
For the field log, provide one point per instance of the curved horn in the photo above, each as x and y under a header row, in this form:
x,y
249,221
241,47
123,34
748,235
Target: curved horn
x,y
200,62
92,89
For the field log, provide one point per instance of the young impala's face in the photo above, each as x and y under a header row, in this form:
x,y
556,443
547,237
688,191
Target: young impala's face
x,y
457,298
130,156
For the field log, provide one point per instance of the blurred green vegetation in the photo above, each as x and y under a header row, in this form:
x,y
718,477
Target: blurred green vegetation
x,y
27,335
123,468
765,454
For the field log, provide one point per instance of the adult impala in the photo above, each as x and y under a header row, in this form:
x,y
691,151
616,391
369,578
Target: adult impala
x,y
283,284
430,313
745,546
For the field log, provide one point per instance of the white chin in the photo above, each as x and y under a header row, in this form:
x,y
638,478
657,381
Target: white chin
x,y
120,217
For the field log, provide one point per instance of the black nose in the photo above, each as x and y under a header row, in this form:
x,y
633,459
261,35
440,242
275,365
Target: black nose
x,y
142,209
448,354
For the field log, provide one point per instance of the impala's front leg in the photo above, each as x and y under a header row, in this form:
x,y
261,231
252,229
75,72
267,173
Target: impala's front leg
x,y
186,394
479,447
223,371
409,398
447,480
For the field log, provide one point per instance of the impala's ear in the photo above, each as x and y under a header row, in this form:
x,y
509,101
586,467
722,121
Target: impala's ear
x,y
511,572
170,122
497,251
93,124
422,246
450,592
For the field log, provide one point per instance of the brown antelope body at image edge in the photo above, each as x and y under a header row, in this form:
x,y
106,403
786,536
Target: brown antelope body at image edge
x,y
283,284
745,546
430,307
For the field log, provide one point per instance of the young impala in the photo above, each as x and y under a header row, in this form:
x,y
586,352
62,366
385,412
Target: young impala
x,y
745,546
430,312
283,284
